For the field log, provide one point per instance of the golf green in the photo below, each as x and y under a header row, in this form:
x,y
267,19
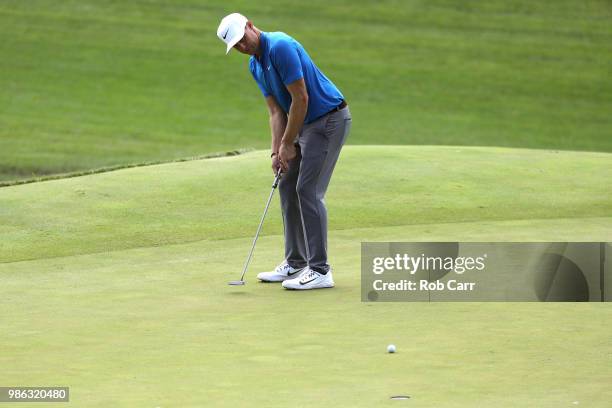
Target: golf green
x,y
115,284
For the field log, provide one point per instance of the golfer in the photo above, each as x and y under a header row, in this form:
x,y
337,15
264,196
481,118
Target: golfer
x,y
309,122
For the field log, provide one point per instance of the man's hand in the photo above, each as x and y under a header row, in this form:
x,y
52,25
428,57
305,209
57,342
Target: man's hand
x,y
285,154
275,164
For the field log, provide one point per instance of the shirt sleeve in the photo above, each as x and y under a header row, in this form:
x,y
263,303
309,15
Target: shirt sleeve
x,y
262,86
286,60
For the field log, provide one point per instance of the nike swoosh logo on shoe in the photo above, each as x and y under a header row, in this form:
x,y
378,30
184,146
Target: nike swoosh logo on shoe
x,y
304,283
291,274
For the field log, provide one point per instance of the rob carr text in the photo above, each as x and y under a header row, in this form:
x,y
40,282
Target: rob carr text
x,y
423,284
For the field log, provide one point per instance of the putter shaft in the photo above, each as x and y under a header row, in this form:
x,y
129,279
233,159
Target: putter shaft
x,y
274,185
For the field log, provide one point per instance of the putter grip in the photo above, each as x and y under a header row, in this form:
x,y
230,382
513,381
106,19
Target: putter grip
x,y
277,179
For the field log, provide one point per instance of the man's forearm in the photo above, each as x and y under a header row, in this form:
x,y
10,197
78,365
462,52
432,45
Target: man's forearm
x,y
278,123
297,113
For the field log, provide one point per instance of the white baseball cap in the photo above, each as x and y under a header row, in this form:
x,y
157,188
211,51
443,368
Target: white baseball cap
x,y
231,29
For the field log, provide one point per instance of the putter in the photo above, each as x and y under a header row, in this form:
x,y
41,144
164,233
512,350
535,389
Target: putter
x,y
246,264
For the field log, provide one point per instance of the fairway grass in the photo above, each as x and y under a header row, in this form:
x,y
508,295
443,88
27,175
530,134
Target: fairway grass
x,y
115,284
373,186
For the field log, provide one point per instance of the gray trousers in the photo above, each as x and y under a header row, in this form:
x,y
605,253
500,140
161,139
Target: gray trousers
x,y
302,189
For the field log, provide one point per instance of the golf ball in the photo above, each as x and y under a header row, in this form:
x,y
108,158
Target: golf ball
x,y
391,348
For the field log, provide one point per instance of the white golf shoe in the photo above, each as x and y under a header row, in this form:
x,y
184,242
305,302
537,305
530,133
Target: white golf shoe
x,y
310,279
282,272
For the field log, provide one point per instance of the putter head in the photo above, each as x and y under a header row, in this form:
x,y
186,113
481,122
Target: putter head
x,y
236,283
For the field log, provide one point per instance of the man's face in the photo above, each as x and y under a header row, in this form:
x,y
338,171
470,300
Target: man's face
x,y
249,42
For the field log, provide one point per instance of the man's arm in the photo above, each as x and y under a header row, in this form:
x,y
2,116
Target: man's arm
x,y
278,123
297,111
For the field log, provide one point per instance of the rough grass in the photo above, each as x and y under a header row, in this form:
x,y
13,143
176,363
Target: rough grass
x,y
88,84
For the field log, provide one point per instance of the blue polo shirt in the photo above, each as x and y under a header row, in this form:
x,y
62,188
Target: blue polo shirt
x,y
283,61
